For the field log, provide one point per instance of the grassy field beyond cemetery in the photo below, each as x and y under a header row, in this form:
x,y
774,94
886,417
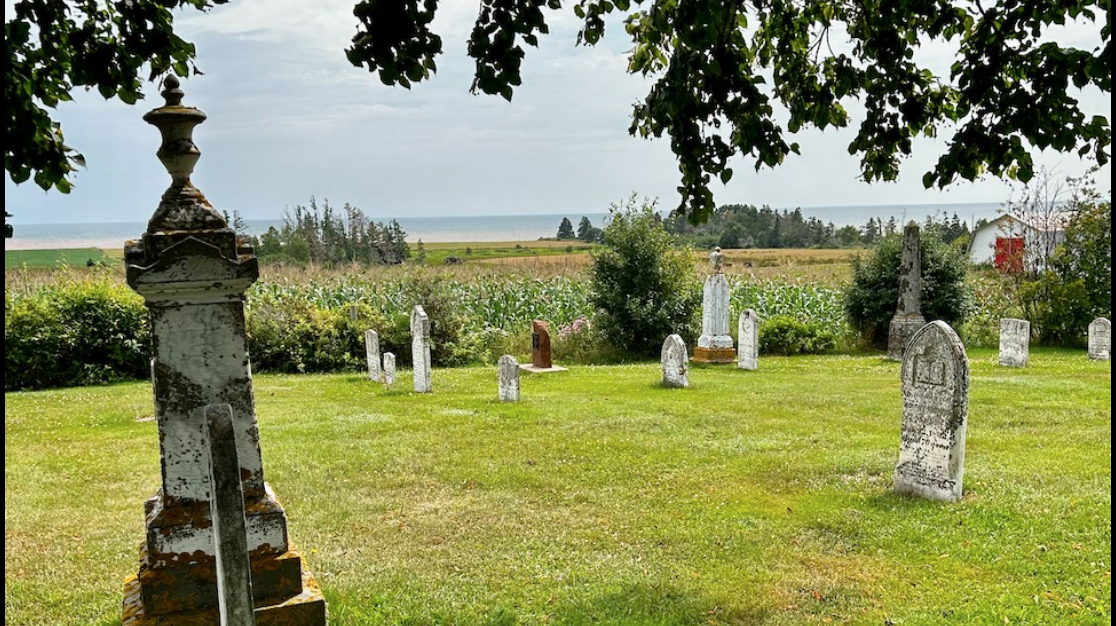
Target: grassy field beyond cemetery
x,y
74,257
755,498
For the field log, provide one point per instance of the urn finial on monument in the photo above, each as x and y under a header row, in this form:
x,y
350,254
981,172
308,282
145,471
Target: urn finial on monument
x,y
717,258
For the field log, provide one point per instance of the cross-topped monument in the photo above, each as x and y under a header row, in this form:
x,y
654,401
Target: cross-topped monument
x,y
192,271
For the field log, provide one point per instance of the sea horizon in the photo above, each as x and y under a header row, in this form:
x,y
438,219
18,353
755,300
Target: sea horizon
x,y
475,228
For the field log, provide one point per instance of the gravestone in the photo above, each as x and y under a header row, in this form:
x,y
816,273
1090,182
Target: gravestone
x,y
935,378
676,363
509,379
234,575
389,369
1100,340
908,318
192,272
748,333
1015,343
420,350
372,351
715,344
541,355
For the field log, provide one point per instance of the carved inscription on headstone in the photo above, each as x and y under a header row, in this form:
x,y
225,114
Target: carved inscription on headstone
x,y
748,353
372,349
1100,340
509,379
675,361
1015,343
541,355
420,350
935,376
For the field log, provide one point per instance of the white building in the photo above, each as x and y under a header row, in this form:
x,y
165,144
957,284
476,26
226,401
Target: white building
x,y
1012,244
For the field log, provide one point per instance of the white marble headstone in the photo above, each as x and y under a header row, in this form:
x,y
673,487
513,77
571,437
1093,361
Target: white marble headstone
x,y
935,380
676,361
372,350
1100,340
715,314
748,333
509,379
389,369
1015,342
420,350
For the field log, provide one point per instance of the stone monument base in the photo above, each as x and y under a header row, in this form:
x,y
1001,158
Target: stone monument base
x,y
718,356
903,327
531,369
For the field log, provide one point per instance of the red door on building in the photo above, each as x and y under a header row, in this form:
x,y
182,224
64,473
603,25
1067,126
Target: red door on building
x,y
1009,254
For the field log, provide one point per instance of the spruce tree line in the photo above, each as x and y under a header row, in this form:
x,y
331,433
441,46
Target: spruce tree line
x,y
327,236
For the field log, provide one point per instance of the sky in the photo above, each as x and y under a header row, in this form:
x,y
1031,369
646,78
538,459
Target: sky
x,y
290,118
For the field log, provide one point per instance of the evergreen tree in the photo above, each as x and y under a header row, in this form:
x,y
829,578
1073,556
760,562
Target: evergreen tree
x,y
584,229
565,230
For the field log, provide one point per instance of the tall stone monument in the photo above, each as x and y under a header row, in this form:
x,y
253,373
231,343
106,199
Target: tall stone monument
x,y
1100,340
1015,343
372,354
192,272
908,319
509,379
420,350
748,334
935,377
676,363
715,344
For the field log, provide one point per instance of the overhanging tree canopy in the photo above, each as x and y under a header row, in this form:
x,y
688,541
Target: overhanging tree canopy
x,y
726,72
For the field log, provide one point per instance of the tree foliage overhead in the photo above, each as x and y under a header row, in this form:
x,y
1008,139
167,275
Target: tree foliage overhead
x,y
722,66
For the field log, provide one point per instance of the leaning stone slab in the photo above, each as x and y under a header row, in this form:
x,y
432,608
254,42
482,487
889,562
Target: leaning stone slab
x,y
935,380
1015,343
420,350
1100,340
509,379
389,369
748,333
676,363
372,351
230,534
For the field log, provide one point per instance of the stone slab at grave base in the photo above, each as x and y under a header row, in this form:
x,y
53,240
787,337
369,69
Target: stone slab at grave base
x,y
307,608
717,356
903,327
531,369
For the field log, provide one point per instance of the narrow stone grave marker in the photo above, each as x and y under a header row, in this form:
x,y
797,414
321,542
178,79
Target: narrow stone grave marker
x,y
1015,343
1100,340
420,350
676,364
230,534
748,332
935,380
509,379
715,344
542,356
389,369
372,351
908,318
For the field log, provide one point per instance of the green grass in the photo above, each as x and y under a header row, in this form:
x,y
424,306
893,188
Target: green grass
x,y
755,498
55,258
437,253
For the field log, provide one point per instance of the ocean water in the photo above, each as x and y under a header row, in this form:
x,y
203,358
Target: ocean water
x,y
478,228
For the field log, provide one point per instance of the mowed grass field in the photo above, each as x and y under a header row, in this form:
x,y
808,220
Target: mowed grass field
x,y
74,257
754,498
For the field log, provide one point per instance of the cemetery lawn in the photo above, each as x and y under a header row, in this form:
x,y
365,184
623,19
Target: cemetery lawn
x,y
755,498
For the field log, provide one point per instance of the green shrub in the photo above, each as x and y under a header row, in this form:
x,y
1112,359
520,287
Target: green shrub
x,y
642,287
873,297
787,336
1057,309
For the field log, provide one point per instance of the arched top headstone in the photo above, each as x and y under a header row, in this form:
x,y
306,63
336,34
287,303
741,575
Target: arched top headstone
x,y
1100,339
420,323
675,362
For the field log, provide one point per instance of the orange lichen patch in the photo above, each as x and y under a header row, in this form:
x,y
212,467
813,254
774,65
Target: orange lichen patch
x,y
714,355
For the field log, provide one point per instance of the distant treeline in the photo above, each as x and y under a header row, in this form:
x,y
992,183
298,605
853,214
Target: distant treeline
x,y
736,226
329,237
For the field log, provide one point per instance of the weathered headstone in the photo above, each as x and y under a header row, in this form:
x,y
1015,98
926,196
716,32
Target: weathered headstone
x,y
1100,340
715,344
676,363
192,272
230,532
1015,343
908,318
748,333
541,355
935,377
389,369
420,350
509,379
372,351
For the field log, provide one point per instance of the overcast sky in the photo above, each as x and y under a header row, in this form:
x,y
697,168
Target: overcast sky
x,y
290,118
